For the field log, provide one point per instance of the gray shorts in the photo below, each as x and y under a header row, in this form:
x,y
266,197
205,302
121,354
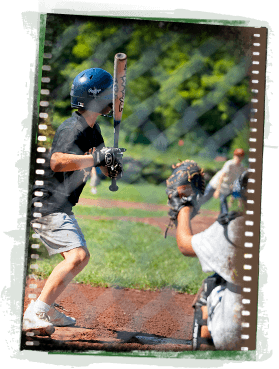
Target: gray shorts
x,y
59,232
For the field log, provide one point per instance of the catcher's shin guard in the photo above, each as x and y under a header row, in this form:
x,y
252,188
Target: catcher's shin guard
x,y
201,336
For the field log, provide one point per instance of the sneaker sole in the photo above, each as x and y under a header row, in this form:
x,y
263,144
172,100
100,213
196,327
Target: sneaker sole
x,y
65,325
44,331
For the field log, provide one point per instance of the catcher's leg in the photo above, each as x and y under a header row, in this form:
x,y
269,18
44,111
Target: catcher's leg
x,y
201,336
202,339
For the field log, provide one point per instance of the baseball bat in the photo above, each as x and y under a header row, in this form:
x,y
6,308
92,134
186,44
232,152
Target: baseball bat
x,y
119,83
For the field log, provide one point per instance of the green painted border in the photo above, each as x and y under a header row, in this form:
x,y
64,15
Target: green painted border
x,y
34,24
143,12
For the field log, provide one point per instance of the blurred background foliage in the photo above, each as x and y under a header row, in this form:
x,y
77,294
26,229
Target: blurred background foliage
x,y
187,94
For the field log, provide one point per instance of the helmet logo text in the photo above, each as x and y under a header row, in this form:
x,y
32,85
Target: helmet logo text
x,y
95,91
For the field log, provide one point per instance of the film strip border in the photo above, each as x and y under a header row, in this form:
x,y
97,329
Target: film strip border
x,y
40,158
252,222
258,39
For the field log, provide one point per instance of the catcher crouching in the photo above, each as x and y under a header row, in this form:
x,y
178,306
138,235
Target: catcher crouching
x,y
218,304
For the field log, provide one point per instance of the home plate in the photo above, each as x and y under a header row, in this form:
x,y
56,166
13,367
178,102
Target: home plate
x,y
153,340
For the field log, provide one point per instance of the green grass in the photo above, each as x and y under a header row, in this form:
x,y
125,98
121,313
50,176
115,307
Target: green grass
x,y
129,212
128,254
132,255
146,192
116,212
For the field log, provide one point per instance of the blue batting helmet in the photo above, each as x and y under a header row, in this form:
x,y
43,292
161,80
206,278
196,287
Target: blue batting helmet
x,y
92,90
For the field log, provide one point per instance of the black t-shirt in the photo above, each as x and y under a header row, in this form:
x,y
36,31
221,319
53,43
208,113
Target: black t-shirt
x,y
61,190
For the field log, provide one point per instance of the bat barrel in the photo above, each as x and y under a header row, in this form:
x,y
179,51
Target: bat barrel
x,y
119,82
121,56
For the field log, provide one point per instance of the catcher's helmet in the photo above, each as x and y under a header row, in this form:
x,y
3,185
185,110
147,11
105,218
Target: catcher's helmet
x,y
240,186
92,90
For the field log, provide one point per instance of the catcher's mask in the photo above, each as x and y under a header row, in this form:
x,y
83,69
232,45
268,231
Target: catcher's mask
x,y
240,186
92,90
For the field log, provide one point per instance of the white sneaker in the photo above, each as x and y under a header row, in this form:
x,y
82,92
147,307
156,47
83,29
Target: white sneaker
x,y
37,323
59,319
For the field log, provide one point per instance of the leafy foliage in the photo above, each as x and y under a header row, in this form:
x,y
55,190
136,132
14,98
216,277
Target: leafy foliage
x,y
184,82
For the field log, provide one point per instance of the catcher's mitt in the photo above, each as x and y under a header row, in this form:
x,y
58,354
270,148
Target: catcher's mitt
x,y
184,188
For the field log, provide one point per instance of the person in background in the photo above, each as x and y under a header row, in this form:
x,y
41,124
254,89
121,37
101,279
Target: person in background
x,y
94,181
220,185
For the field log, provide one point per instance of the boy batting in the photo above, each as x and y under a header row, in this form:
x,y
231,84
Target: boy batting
x,y
77,146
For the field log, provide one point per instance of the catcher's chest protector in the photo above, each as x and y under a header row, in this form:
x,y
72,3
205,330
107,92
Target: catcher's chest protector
x,y
202,339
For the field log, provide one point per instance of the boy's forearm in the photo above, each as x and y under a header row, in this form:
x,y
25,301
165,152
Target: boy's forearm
x,y
183,220
61,162
184,232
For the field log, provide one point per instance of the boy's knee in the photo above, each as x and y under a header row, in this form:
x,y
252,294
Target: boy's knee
x,y
83,256
79,256
86,257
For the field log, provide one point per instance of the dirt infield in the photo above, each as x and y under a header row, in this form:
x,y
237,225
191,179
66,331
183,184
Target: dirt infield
x,y
121,319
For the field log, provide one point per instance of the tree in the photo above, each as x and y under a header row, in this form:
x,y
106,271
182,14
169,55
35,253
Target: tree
x,y
181,77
